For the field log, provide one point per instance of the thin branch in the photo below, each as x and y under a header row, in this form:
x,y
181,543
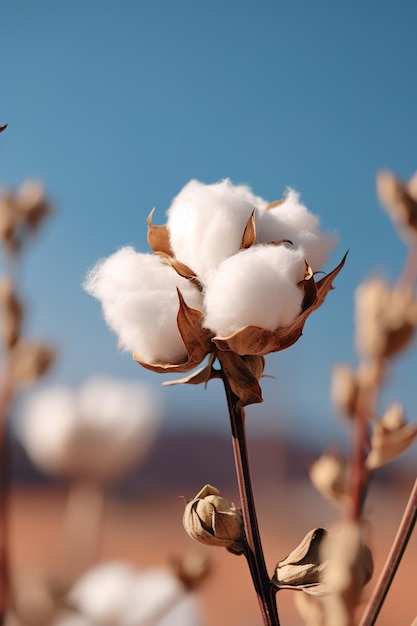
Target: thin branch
x,y
389,570
254,553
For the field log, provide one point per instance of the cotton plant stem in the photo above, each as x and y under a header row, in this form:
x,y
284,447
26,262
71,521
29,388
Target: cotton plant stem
x,y
6,395
389,570
82,531
254,553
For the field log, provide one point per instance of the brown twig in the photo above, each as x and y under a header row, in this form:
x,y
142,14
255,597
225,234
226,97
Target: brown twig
x,y
389,570
254,553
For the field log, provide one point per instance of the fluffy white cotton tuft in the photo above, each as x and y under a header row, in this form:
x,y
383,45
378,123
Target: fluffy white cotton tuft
x,y
116,593
206,223
97,432
139,296
256,287
292,220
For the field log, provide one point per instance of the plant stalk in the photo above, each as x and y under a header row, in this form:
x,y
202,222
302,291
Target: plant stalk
x,y
389,570
254,554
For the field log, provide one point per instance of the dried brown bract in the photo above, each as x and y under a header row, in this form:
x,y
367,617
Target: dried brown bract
x,y
400,201
303,568
391,436
22,213
329,475
386,319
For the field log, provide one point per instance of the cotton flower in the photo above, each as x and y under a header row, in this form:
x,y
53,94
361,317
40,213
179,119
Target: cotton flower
x,y
257,287
117,594
232,276
206,223
97,432
140,303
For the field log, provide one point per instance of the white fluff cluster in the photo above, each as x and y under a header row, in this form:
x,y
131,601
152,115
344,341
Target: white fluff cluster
x,y
257,286
97,432
140,303
292,220
116,593
206,223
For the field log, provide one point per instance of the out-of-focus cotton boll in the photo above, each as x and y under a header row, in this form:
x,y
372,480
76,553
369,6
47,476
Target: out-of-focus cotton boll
x,y
103,593
206,223
292,220
140,303
256,287
116,594
97,433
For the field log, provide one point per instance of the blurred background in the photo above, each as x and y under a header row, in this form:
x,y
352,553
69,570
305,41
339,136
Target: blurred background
x,y
116,105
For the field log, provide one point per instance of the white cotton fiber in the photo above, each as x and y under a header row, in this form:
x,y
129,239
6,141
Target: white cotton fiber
x,y
140,303
206,223
96,432
256,287
292,220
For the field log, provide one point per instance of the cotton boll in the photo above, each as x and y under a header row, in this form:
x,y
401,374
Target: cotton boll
x,y
256,287
187,612
154,594
140,303
117,594
97,433
120,419
47,427
292,220
103,593
206,223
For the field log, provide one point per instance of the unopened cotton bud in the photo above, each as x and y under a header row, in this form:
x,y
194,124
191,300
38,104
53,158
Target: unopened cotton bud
x,y
214,521
329,475
345,389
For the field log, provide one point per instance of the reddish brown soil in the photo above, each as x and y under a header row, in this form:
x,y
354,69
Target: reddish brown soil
x,y
149,532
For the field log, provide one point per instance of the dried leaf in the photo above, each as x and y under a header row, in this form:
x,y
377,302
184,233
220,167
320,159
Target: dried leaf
x,y
274,204
197,341
158,237
201,376
249,236
243,376
259,341
182,269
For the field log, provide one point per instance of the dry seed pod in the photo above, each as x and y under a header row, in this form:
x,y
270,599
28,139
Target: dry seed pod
x,y
29,361
192,569
214,521
329,475
12,313
345,389
391,436
303,567
385,319
400,201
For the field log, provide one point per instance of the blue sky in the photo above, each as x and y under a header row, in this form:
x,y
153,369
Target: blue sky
x,y
116,105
